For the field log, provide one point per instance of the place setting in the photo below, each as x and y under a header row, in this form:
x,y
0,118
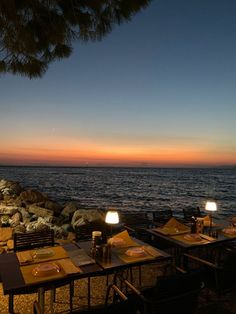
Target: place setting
x,y
128,250
45,264
173,227
41,254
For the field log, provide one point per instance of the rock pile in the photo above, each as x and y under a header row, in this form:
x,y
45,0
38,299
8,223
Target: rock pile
x,y
29,210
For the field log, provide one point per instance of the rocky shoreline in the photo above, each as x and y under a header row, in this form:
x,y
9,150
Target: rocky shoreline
x,y
26,210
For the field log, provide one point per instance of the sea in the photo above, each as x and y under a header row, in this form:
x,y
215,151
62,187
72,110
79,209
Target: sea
x,y
132,189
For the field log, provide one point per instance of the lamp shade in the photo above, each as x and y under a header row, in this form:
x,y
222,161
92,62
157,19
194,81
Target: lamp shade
x,y
112,217
211,206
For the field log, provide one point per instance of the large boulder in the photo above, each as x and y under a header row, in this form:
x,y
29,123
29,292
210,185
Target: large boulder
x,y
85,216
69,209
24,213
59,232
8,209
20,228
40,225
40,211
54,206
15,219
32,196
3,184
10,187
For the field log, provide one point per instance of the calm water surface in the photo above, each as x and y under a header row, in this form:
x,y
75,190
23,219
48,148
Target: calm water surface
x,y
132,188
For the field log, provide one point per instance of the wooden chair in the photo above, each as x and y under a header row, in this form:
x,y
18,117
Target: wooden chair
x,y
84,232
190,212
120,304
162,216
137,223
219,275
172,294
31,240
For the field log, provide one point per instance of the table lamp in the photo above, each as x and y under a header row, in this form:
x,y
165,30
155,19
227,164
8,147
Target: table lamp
x,y
112,218
211,207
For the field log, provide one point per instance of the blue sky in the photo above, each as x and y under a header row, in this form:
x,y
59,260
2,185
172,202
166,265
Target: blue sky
x,y
159,90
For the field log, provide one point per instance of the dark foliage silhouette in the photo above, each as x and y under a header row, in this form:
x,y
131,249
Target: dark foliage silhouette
x,y
34,33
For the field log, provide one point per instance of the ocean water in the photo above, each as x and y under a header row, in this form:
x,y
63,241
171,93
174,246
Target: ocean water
x,y
139,189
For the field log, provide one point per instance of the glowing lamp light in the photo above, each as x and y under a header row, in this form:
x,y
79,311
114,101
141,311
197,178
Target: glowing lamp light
x,y
112,217
211,206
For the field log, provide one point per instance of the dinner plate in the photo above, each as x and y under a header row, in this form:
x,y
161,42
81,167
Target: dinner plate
x,y
136,252
229,230
46,269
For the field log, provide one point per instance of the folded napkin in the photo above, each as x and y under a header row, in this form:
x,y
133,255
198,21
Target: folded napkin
x,y
10,244
207,221
68,267
124,235
5,234
172,227
174,223
24,257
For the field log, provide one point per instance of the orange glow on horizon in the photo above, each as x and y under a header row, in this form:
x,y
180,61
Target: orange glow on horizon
x,y
69,153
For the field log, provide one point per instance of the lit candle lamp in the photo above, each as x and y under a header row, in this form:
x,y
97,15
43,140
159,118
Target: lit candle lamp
x,y
211,207
112,218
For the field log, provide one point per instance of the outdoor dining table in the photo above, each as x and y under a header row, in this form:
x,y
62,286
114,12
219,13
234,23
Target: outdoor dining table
x,y
185,241
119,261
18,279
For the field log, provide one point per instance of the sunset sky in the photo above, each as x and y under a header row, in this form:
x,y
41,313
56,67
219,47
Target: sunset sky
x,y
157,91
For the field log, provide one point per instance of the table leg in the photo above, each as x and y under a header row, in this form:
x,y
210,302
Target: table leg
x,y
11,304
140,275
41,299
89,292
72,289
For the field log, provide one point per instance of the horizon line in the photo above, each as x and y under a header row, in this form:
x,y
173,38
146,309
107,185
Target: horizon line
x,y
119,166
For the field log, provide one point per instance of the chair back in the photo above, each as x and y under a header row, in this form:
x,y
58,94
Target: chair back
x,y
225,274
190,212
84,232
137,223
175,294
30,240
162,216
136,219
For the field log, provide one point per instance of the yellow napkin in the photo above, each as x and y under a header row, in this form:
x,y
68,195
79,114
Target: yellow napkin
x,y
5,234
172,227
174,223
24,257
124,235
207,221
10,244
68,267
